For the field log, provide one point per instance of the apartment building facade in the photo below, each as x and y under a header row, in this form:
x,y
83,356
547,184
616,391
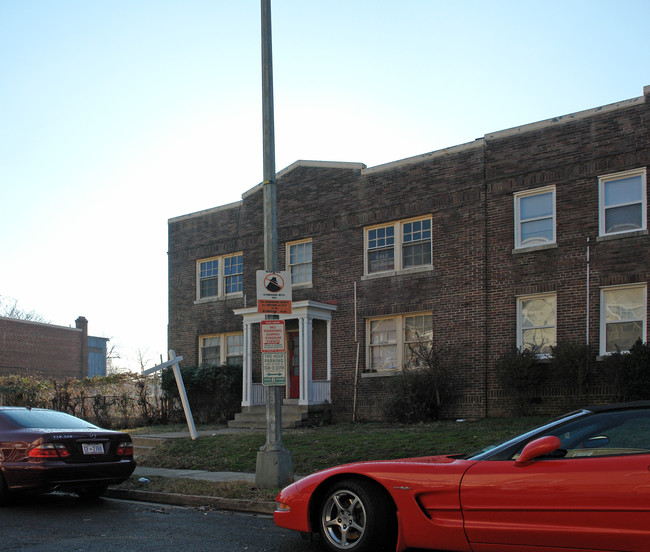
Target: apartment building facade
x,y
526,237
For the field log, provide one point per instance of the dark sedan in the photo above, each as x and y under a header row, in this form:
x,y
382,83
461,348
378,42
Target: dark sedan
x,y
44,450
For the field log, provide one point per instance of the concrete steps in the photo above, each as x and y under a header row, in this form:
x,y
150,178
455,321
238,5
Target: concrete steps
x,y
144,445
293,415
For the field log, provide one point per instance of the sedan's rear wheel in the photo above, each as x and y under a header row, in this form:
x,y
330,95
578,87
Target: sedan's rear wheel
x,y
355,516
5,497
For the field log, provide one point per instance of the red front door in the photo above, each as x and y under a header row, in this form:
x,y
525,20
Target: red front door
x,y
293,343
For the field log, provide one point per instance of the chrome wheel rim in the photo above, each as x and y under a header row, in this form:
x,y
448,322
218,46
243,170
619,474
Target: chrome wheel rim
x,y
344,519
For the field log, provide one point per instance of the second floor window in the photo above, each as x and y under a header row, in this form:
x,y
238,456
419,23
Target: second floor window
x,y
299,262
622,202
220,276
535,218
398,246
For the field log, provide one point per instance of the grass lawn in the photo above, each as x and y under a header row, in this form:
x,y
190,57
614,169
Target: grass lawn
x,y
317,448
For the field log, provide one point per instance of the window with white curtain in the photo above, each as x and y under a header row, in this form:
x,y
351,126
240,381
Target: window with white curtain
x,y
536,323
622,317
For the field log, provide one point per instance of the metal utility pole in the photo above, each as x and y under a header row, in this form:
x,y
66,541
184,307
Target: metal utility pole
x,y
274,467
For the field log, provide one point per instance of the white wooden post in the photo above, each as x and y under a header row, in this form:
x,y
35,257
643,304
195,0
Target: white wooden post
x,y
174,363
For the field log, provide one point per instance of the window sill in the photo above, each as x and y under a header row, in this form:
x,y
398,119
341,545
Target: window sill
x,y
544,247
305,285
219,298
390,273
381,374
621,235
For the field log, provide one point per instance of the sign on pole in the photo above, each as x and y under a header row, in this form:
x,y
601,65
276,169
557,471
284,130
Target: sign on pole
x,y
174,363
273,336
273,292
274,357
274,369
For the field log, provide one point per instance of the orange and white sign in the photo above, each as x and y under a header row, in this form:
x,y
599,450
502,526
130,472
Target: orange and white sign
x,y
273,292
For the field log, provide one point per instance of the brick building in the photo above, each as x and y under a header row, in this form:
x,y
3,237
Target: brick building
x,y
528,236
34,348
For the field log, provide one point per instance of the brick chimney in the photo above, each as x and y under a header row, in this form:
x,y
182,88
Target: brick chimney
x,y
82,324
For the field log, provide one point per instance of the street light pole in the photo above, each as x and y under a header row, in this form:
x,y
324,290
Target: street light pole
x,y
274,467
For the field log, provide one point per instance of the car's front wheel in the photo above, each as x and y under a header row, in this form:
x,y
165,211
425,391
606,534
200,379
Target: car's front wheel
x,y
356,516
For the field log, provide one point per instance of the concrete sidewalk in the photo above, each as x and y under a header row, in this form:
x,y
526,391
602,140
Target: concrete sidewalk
x,y
203,475
239,505
252,506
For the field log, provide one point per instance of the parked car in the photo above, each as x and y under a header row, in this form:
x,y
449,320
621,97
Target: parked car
x,y
45,450
581,482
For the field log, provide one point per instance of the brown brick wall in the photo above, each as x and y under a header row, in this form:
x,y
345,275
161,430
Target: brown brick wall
x,y
476,277
43,349
569,155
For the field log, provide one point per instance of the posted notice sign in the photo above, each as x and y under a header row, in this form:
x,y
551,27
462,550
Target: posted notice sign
x,y
273,336
273,292
274,369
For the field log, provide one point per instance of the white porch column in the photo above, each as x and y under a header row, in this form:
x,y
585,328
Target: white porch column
x,y
247,374
306,346
329,350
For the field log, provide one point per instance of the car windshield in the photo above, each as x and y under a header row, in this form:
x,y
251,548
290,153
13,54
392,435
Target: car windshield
x,y
493,451
45,419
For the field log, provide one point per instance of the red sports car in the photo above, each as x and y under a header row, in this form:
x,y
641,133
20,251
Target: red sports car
x,y
579,483
45,450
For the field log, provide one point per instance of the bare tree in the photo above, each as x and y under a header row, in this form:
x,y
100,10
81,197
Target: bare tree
x,y
10,309
142,358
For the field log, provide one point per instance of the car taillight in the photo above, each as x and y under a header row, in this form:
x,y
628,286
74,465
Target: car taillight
x,y
125,449
49,450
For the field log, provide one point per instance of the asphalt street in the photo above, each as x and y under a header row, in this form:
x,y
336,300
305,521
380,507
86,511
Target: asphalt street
x,y
64,522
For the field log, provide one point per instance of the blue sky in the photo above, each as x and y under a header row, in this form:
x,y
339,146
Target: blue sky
x,y
118,115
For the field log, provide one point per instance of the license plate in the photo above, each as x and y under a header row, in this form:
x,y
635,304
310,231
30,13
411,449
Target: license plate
x,y
93,448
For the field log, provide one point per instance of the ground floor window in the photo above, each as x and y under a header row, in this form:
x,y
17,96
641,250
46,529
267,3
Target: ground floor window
x,y
218,349
536,319
622,318
392,341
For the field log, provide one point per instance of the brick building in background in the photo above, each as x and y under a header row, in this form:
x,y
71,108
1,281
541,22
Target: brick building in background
x,y
59,352
529,236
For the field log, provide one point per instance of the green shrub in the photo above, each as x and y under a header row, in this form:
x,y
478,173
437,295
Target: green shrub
x,y
572,369
521,375
213,392
421,390
630,371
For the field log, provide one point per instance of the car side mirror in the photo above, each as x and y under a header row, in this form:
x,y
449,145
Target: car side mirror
x,y
538,447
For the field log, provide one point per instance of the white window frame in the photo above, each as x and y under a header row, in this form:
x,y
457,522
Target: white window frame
x,y
400,341
519,221
520,321
223,346
603,313
398,247
602,208
221,278
290,266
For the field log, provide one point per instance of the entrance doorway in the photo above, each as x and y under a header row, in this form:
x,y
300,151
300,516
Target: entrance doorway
x,y
293,344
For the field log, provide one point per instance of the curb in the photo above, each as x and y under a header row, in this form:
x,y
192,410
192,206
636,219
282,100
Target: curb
x,y
233,504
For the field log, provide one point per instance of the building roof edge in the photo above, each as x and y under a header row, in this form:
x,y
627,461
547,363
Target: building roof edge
x,y
197,214
564,118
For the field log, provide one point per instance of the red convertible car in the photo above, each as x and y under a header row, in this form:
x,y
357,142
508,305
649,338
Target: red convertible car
x,y
579,483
